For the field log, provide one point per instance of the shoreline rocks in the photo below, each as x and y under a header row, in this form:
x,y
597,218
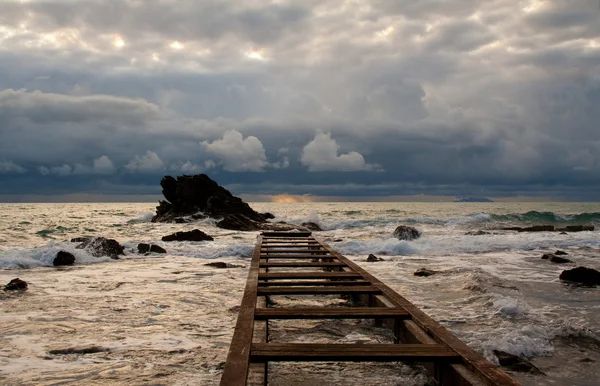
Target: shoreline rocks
x,y
424,272
404,232
101,246
16,284
555,259
144,248
194,235
581,275
63,258
372,258
551,228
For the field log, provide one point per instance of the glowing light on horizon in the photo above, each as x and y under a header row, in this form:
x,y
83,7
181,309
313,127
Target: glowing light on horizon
x,y
290,198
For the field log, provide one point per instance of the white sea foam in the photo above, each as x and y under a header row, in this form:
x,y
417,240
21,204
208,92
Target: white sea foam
x,y
43,256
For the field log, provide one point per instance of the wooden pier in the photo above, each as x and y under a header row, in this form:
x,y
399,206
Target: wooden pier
x,y
417,337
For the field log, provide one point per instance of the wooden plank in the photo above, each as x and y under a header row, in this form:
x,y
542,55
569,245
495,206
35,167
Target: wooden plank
x,y
330,313
308,275
352,352
474,361
302,264
328,283
291,251
317,290
290,243
268,235
236,367
296,256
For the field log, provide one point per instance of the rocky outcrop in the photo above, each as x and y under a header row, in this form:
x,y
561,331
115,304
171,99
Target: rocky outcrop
x,y
150,248
100,246
560,253
404,232
195,235
551,228
198,196
63,258
555,259
424,272
372,258
16,284
576,228
581,275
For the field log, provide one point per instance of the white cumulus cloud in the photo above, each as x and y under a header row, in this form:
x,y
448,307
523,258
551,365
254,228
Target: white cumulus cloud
x,y
10,167
321,154
148,162
238,154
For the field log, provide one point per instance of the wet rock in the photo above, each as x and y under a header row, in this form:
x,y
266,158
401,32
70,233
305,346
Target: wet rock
x,y
538,228
424,272
63,258
577,228
582,275
477,233
372,258
194,235
587,360
79,350
560,253
16,284
180,220
516,363
312,226
338,240
268,216
80,239
100,246
157,249
220,264
563,233
406,233
518,229
146,248
555,259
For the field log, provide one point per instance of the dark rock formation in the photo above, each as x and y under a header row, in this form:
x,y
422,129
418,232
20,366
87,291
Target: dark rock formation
x,y
82,350
555,259
582,275
100,246
220,264
16,284
538,228
406,233
560,253
195,235
147,248
563,233
576,228
80,239
425,272
198,197
516,363
372,258
313,226
477,233
63,258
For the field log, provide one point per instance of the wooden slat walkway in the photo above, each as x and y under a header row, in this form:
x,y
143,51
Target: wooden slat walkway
x,y
417,337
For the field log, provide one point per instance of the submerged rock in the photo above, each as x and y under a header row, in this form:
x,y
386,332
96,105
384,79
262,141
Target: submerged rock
x,y
477,233
538,228
220,264
194,235
63,258
516,363
313,226
582,275
372,258
16,284
555,259
404,232
576,228
79,350
100,246
560,253
424,272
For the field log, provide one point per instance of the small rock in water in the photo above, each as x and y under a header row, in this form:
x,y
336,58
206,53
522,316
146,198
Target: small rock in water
x,y
194,235
313,226
560,253
563,233
16,284
101,246
477,233
516,363
372,258
80,239
220,264
78,350
583,275
145,248
424,272
404,232
577,228
555,259
538,228
157,249
63,258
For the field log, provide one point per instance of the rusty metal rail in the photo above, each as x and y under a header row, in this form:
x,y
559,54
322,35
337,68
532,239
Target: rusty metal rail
x,y
417,337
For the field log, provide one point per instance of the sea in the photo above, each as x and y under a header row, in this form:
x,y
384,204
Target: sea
x,y
492,290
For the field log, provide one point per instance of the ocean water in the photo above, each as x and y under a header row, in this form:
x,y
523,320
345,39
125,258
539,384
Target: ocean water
x,y
493,291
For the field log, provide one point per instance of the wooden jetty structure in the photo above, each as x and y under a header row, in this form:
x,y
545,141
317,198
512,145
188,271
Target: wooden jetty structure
x,y
279,267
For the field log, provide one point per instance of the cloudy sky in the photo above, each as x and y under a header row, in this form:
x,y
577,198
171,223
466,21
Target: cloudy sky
x,y
342,98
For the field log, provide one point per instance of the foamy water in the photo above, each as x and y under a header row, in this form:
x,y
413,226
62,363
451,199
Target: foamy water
x,y
493,291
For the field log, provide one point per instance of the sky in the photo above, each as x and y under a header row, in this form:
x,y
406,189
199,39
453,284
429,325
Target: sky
x,y
497,98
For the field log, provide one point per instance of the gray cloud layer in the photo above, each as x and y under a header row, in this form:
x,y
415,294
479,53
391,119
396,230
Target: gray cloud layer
x,y
401,97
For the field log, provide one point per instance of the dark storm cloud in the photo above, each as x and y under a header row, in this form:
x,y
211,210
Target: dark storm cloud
x,y
377,98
